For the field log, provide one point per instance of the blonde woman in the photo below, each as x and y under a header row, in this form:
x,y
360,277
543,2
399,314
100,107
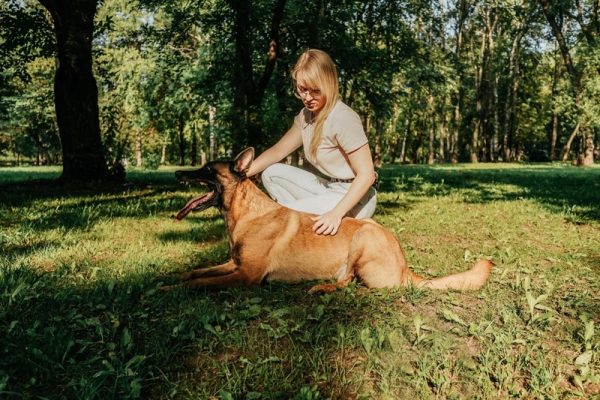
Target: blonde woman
x,y
333,140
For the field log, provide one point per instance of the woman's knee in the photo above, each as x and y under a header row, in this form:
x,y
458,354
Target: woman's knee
x,y
274,170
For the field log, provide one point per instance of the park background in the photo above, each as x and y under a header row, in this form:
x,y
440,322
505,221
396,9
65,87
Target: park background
x,y
180,82
483,120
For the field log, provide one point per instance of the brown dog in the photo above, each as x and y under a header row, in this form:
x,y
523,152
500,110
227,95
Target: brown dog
x,y
269,241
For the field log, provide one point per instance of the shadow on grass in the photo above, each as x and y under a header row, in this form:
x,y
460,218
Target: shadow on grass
x,y
120,338
43,205
570,191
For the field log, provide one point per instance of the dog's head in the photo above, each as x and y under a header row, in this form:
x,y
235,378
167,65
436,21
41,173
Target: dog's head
x,y
219,176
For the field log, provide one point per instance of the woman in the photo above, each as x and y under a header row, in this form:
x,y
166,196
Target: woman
x,y
333,140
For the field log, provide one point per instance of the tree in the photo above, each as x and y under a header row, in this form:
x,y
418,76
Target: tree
x,y
250,88
553,11
75,91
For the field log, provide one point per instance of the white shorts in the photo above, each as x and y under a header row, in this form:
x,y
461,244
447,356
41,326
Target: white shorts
x,y
301,190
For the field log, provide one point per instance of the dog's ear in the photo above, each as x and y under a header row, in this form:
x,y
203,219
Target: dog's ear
x,y
243,160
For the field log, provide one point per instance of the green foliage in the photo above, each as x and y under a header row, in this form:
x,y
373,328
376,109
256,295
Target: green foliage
x,y
188,77
30,126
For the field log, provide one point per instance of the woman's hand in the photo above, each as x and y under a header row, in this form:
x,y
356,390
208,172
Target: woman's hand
x,y
328,223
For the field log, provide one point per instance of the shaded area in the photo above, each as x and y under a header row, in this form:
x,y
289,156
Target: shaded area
x,y
571,191
119,338
44,204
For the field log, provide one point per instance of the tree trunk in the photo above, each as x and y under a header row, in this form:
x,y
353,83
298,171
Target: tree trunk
x,y
443,137
377,156
181,141
407,130
511,98
474,147
194,149
432,127
212,136
555,121
588,151
463,7
75,91
249,94
163,154
567,147
554,135
138,148
492,137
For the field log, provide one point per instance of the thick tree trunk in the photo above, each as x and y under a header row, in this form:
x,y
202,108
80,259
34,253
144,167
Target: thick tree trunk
x,y
75,91
588,151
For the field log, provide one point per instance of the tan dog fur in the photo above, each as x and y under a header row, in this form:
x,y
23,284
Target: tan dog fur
x,y
271,242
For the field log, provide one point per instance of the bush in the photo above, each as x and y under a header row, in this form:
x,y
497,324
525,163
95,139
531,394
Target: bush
x,y
151,161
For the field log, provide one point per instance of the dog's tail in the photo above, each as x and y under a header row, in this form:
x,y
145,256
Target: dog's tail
x,y
472,279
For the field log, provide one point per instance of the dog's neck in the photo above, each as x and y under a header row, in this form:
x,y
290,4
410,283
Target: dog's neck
x,y
246,200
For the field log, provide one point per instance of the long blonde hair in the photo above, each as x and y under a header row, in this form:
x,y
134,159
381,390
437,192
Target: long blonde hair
x,y
316,69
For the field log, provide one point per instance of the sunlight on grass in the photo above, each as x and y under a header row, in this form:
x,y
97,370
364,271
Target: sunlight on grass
x,y
24,174
81,316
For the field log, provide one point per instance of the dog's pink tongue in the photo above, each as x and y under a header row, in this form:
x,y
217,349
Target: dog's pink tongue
x,y
191,205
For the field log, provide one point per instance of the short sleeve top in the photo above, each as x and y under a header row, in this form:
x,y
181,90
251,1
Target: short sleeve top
x,y
343,133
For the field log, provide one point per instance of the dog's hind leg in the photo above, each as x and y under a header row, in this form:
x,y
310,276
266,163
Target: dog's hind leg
x,y
376,257
218,270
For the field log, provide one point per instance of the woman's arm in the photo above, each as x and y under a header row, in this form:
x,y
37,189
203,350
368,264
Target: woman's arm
x,y
362,164
286,145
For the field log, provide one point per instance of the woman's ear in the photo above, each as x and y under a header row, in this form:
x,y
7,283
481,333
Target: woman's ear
x,y
243,160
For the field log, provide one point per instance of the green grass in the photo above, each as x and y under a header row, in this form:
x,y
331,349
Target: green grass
x,y
80,316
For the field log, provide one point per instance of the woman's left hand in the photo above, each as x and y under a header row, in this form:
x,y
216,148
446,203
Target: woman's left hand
x,y
328,223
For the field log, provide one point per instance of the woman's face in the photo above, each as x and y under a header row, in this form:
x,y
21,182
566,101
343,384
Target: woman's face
x,y
312,98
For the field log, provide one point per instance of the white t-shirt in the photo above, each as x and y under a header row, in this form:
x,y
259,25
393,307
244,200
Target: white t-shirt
x,y
343,133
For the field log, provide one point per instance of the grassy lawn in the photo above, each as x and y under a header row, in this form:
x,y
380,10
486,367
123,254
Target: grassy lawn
x,y
80,316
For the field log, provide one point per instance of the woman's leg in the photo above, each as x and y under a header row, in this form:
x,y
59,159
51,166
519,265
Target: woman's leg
x,y
301,190
286,184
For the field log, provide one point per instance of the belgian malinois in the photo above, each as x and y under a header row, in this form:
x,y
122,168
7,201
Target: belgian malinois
x,y
271,242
